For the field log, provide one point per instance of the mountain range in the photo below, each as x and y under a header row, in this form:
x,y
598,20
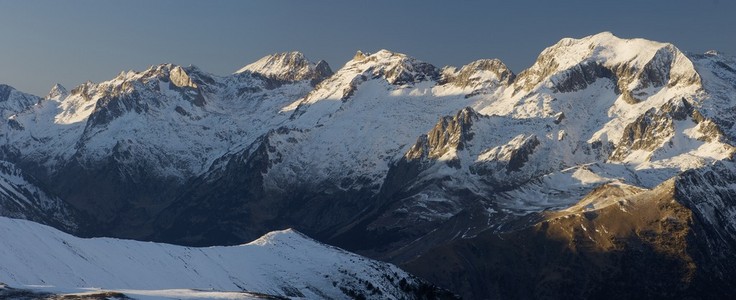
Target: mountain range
x,y
604,170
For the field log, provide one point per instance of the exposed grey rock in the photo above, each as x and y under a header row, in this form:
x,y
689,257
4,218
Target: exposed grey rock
x,y
656,126
450,133
647,132
520,155
582,75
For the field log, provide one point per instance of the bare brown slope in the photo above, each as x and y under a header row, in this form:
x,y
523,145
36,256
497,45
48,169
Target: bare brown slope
x,y
644,244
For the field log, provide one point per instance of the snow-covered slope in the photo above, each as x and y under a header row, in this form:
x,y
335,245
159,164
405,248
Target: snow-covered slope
x,y
590,111
193,113
282,263
334,152
139,137
371,96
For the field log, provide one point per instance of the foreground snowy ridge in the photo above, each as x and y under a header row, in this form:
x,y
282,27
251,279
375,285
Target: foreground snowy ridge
x,y
281,263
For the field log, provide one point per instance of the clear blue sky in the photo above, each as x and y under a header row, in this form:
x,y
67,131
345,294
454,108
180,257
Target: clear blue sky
x,y
44,42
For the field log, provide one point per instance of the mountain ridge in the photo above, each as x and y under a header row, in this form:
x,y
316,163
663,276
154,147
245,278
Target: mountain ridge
x,y
388,156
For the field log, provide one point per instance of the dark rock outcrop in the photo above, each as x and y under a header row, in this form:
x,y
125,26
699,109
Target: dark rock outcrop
x,y
449,134
656,126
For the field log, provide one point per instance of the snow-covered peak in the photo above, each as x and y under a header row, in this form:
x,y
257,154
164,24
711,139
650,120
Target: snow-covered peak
x,y
278,63
603,47
179,75
636,65
84,99
480,76
396,68
57,92
288,66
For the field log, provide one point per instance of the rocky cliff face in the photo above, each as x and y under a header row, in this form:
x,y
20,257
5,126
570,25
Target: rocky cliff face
x,y
449,135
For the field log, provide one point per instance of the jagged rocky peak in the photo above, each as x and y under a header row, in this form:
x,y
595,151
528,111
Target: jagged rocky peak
x,y
359,55
289,66
180,78
57,92
447,137
154,71
126,81
479,72
82,89
396,68
635,65
323,70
